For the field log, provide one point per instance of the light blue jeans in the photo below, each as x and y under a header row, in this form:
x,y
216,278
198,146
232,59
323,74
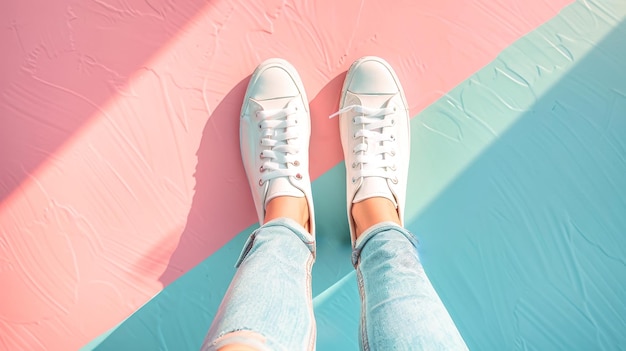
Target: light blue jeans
x,y
269,303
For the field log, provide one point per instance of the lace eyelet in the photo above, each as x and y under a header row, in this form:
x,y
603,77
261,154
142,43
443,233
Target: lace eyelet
x,y
261,169
298,176
296,163
353,180
392,137
354,164
394,180
260,182
260,127
393,121
261,155
393,152
354,120
395,109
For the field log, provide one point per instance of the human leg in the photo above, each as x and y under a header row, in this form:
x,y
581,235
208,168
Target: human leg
x,y
268,303
400,308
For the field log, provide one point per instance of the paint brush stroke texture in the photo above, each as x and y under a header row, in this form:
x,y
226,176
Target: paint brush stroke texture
x,y
106,108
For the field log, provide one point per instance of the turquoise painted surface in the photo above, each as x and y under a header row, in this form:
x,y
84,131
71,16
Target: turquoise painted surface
x,y
517,194
526,244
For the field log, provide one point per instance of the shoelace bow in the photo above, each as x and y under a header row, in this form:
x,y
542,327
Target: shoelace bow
x,y
376,142
276,131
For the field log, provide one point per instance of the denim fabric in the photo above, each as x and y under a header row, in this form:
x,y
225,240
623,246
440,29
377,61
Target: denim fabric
x,y
268,305
270,294
400,309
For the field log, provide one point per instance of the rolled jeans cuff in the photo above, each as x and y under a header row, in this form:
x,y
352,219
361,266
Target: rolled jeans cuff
x,y
288,223
374,230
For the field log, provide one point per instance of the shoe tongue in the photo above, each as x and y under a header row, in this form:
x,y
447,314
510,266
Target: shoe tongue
x,y
281,187
374,187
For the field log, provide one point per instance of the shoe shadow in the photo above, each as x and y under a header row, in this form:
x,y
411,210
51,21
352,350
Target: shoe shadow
x,y
222,204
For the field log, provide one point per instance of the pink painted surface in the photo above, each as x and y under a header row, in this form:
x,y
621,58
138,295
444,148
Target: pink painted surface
x,y
119,159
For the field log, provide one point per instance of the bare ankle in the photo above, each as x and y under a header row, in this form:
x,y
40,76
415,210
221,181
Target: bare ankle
x,y
295,208
372,211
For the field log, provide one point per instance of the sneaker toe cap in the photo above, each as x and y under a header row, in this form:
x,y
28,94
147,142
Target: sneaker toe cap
x,y
274,82
372,75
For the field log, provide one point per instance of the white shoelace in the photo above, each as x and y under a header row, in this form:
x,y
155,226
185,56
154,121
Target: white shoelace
x,y
376,142
277,128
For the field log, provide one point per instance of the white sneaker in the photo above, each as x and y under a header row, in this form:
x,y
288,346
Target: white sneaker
x,y
375,135
274,134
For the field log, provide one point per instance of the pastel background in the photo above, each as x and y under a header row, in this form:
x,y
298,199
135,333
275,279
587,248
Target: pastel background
x,y
123,200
